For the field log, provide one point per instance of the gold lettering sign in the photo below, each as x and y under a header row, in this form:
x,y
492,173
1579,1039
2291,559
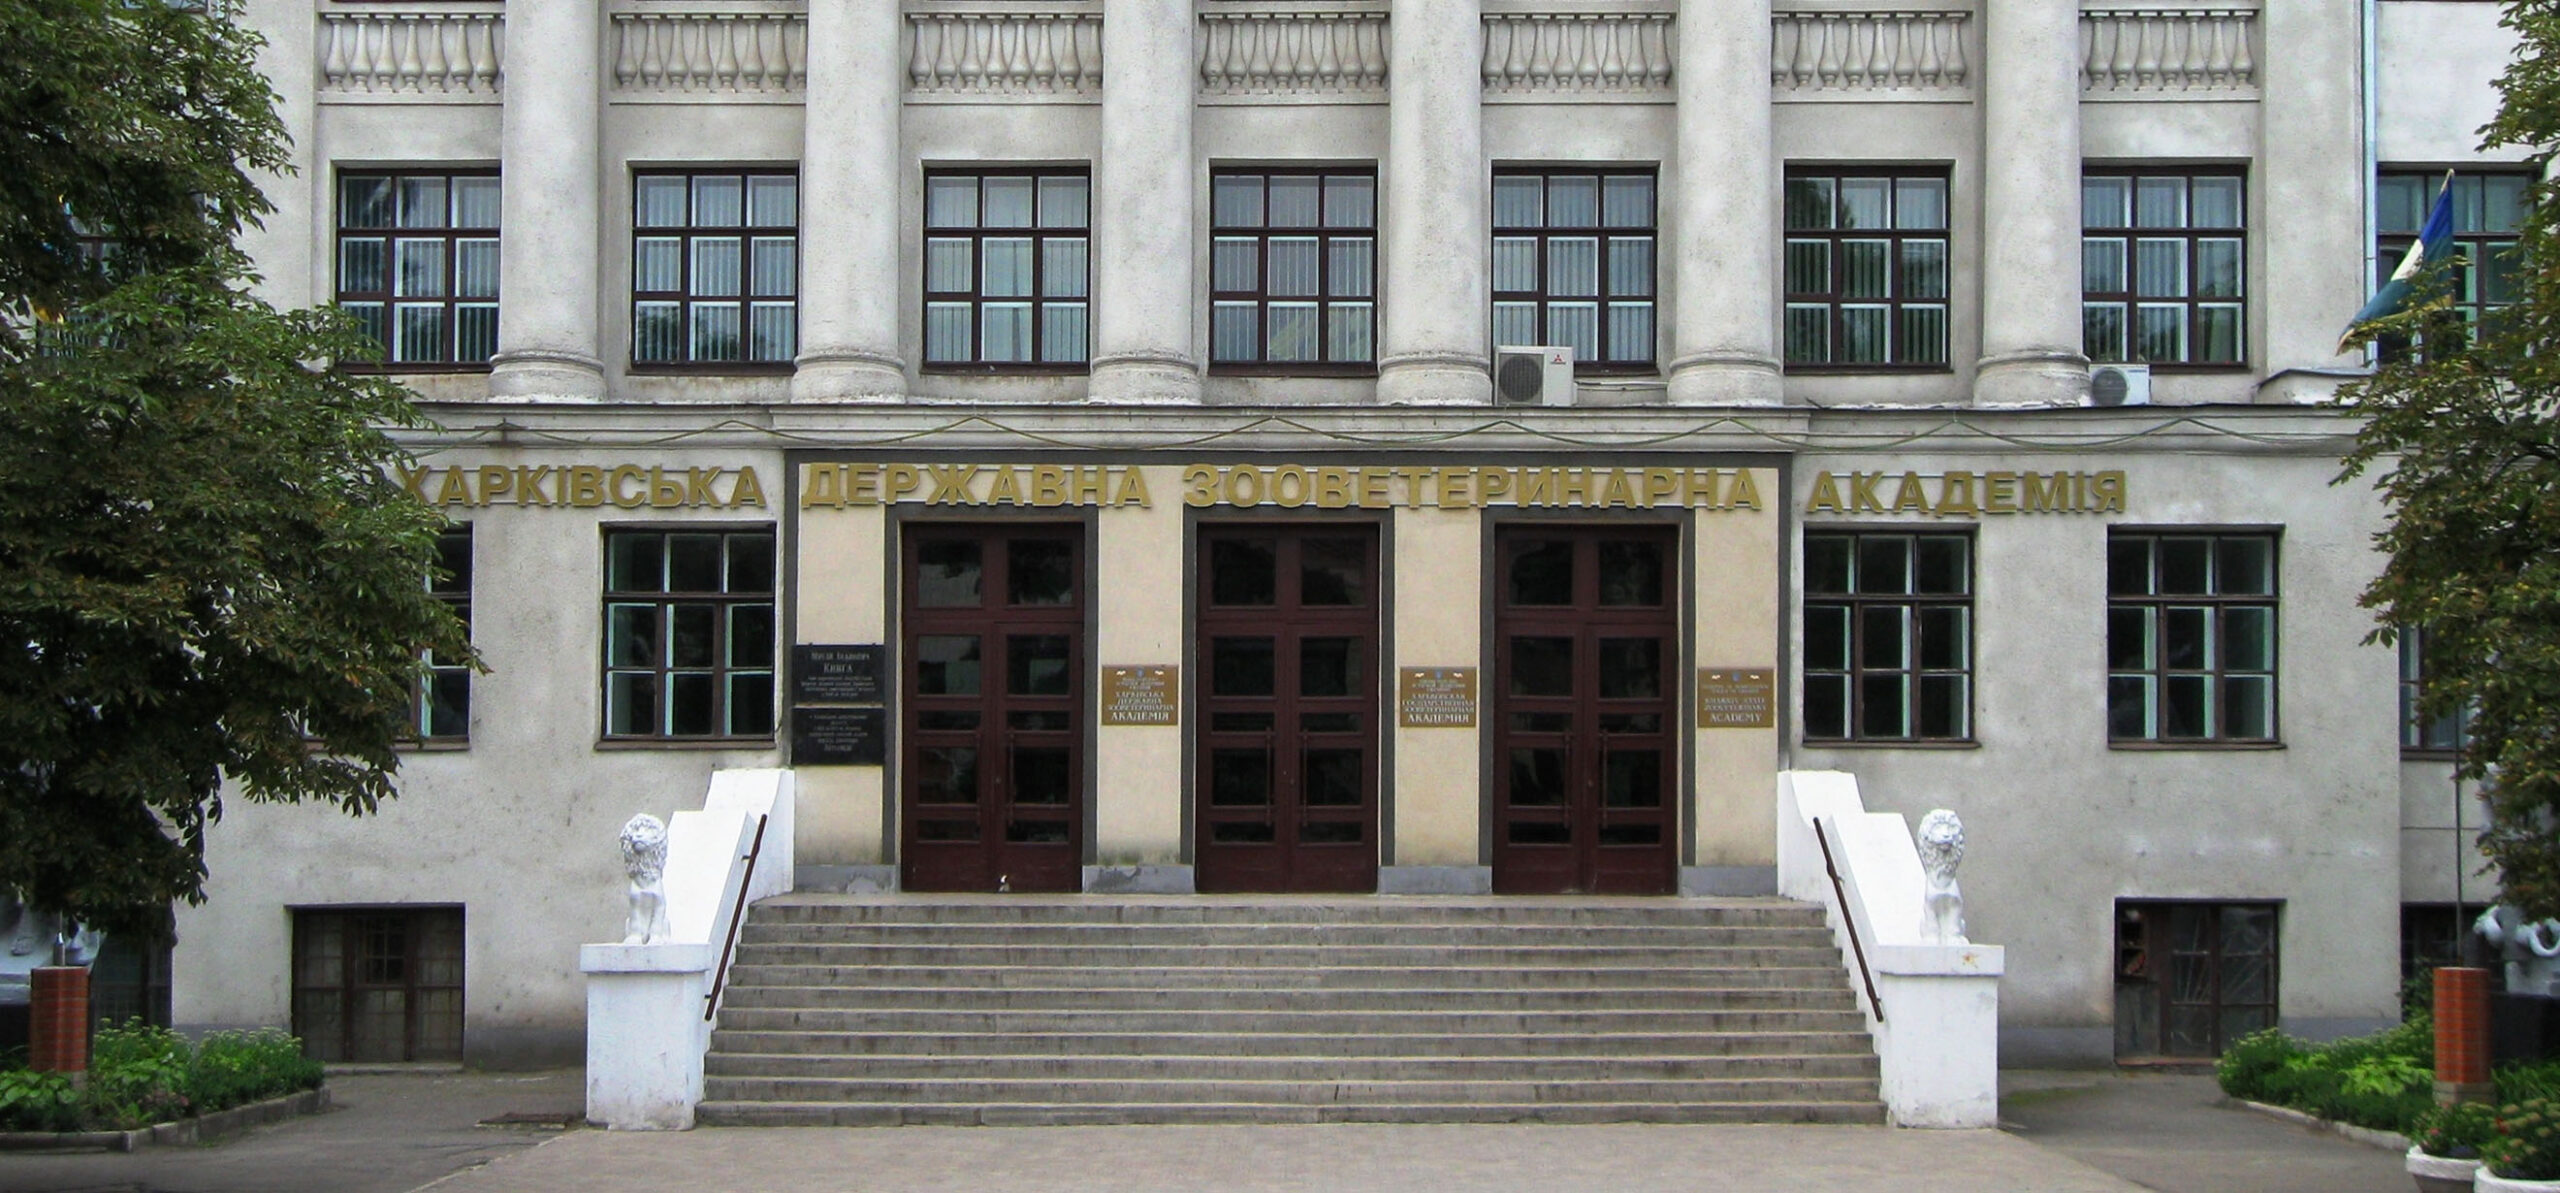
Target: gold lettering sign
x,y
841,486
583,486
1436,697
1962,494
1141,695
1288,486
1737,698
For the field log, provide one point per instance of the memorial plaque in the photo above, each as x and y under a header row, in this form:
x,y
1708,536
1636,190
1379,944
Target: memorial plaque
x,y
1436,697
1737,698
837,673
1141,695
838,736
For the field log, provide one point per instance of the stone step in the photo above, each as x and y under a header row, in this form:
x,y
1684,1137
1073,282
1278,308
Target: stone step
x,y
1259,1019
1284,956
726,1113
1070,1091
1081,1000
1050,935
1211,1067
1254,978
1213,909
735,1041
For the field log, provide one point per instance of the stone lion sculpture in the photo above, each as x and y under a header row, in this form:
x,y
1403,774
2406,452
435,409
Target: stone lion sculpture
x,y
644,859
1941,845
2531,950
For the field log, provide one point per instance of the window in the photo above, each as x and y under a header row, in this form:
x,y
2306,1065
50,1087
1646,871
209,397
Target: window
x,y
2420,734
1573,263
715,268
2488,209
2191,637
130,980
2431,936
1292,277
689,633
1888,636
378,984
2163,256
440,710
1866,269
1005,269
2192,977
418,265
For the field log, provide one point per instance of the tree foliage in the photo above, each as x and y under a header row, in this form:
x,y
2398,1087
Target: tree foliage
x,y
2465,442
204,570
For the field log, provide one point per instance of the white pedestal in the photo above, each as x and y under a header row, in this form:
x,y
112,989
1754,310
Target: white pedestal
x,y
645,1033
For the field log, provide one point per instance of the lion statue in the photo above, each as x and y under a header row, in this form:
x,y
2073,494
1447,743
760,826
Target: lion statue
x,y
644,859
1941,845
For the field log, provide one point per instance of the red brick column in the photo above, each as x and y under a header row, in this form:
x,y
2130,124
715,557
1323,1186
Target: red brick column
x,y
2462,1035
58,1019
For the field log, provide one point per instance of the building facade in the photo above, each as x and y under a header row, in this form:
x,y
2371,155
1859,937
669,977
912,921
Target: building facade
x,y
1077,436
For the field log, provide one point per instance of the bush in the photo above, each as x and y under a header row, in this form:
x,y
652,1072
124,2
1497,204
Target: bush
x,y
2457,1132
140,1075
234,1067
32,1101
2247,1067
2384,1080
2527,1144
2528,1080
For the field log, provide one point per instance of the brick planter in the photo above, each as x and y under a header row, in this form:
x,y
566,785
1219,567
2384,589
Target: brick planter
x,y
58,1020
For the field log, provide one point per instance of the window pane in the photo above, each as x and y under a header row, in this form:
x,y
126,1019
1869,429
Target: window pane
x,y
1294,201
1826,706
419,271
2160,268
2129,707
775,272
1350,202
1627,202
1573,202
1924,336
1920,203
1063,202
773,201
1942,711
475,202
1808,334
715,331
657,265
1515,323
951,202
773,331
2160,203
947,267
1062,333
1005,332
1826,637
946,331
475,268
1577,325
2248,638
659,201
718,201
1630,267
1943,637
1519,202
1884,637
2244,565
475,333
417,334
1864,337
2216,203
1866,202
2218,334
1234,332
715,266
1866,268
2217,269
2129,638
1294,267
1809,203
657,332
1631,332
364,202
1885,701
1924,269
1236,200
1808,267
1515,265
423,203
1347,332
1062,267
1347,265
2160,333
1826,563
1005,268
361,266
1235,264
1241,667
1573,267
1008,202
1295,332
1541,666
947,664
2102,331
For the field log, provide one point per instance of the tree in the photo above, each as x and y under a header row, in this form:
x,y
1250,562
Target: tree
x,y
205,570
2465,439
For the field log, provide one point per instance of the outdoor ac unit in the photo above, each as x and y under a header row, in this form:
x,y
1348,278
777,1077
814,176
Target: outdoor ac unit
x,y
2120,385
1530,376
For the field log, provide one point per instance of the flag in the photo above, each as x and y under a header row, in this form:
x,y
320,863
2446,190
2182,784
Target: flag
x,y
2435,243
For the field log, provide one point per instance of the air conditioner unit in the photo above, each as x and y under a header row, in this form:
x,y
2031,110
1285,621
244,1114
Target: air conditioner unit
x,y
2120,385
1532,376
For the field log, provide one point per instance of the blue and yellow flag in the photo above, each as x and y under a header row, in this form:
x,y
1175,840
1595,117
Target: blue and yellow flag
x,y
2435,243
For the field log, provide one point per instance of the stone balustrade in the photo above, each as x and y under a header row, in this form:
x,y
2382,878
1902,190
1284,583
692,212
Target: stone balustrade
x,y
1293,51
710,52
1547,54
456,54
1017,52
2131,53
1896,51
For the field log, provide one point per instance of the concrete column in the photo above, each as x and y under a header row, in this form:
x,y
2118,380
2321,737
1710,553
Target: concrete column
x,y
1723,241
850,183
1437,296
548,149
2301,208
2031,206
1144,308
1139,796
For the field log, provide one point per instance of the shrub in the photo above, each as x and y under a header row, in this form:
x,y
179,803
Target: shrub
x,y
32,1101
2456,1132
2527,1144
140,1075
233,1067
2525,1081
2248,1065
2384,1080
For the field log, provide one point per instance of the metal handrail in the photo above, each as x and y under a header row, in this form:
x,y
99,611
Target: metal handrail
x,y
737,920
1848,918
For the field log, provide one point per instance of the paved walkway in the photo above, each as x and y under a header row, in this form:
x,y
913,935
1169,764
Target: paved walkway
x,y
2094,1132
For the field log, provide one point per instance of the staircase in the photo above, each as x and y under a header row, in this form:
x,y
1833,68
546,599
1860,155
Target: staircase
x,y
1018,1010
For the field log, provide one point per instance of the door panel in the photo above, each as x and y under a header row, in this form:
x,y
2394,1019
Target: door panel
x,y
991,767
1287,767
1585,636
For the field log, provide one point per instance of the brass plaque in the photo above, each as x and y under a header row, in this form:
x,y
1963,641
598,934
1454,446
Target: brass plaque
x,y
1436,698
1737,698
1141,695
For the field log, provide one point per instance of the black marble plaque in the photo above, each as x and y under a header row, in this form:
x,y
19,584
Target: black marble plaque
x,y
836,673
839,736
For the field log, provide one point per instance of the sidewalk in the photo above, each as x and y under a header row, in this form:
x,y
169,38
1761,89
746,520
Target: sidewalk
x,y
2080,1132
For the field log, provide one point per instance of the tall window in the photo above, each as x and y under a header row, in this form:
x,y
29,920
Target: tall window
x,y
1005,268
2419,733
378,983
715,268
2163,263
1573,263
1292,269
2191,637
1866,268
418,265
2488,208
1888,636
689,633
440,710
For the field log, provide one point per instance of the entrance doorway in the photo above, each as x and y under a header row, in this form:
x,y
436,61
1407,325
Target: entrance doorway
x,y
1585,640
1288,718
991,756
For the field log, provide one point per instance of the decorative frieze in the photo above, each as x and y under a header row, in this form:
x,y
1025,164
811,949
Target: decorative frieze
x,y
1006,52
1293,51
711,52
458,54
2128,53
1895,52
1553,54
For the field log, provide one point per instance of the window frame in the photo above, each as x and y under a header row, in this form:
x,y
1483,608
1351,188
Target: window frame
x,y
1605,237
2128,302
2423,739
977,233
1834,300
451,235
419,930
683,297
2215,673
664,599
452,586
2151,962
2473,245
1913,669
1260,297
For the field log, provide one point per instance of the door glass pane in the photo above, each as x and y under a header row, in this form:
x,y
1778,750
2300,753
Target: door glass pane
x,y
947,574
1631,573
1541,573
947,775
1331,778
1541,666
1036,832
1039,572
1537,777
1539,832
1240,667
1244,572
1630,668
1333,571
1330,832
1328,666
1042,775
1239,777
1241,832
947,664
1036,664
1632,779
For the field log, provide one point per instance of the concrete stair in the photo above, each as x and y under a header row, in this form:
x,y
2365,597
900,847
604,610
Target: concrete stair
x,y
885,1010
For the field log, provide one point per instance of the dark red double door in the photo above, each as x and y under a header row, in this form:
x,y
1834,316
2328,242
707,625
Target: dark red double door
x,y
1583,710
991,772
1286,709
